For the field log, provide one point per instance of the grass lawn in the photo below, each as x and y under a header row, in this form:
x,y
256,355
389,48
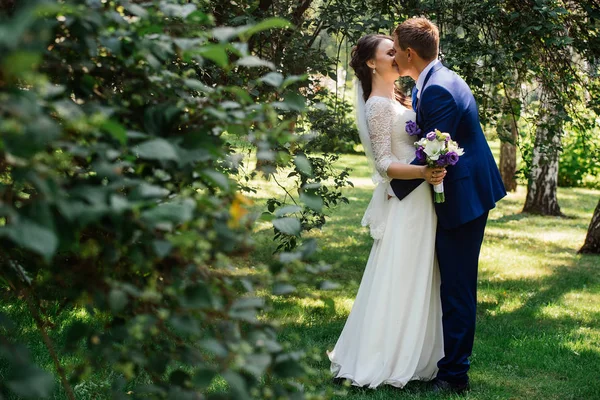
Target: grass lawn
x,y
538,319
538,332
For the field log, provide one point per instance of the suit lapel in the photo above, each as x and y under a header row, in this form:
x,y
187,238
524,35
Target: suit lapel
x,y
433,70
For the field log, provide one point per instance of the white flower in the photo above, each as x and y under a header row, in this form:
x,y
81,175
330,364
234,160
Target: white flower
x,y
433,149
453,146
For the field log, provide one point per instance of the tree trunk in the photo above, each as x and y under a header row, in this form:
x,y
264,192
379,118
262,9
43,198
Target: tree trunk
x,y
507,132
543,181
592,240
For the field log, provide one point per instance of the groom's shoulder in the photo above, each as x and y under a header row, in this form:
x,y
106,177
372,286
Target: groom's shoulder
x,y
445,73
450,80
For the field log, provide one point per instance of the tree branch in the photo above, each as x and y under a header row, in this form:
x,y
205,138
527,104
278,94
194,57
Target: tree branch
x,y
33,309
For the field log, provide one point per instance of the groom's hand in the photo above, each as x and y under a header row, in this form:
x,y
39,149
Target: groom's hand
x,y
435,176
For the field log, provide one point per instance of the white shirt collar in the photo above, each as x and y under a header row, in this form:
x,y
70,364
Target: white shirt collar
x,y
423,74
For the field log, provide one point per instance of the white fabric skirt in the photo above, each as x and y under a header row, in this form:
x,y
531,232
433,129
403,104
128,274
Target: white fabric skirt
x,y
394,332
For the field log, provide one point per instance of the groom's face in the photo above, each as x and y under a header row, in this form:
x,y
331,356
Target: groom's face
x,y
401,58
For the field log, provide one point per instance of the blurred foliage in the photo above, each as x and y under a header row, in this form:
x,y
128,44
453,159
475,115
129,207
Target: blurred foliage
x,y
332,122
119,196
580,161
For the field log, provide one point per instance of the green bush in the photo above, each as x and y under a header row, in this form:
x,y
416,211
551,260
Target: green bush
x,y
117,200
332,124
579,164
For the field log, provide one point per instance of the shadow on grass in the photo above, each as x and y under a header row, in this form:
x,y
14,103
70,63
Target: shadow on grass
x,y
522,349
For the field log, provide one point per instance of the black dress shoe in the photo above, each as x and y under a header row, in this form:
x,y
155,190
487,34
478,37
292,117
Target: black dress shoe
x,y
440,386
339,381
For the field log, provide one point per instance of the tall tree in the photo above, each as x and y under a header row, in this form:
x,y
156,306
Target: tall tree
x,y
592,239
542,184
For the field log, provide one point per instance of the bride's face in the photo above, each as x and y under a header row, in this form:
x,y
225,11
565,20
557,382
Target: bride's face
x,y
402,60
384,61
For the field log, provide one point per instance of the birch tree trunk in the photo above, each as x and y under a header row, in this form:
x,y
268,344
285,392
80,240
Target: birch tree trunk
x,y
592,240
543,181
507,132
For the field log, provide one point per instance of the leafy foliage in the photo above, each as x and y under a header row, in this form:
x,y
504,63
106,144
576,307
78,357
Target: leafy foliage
x,y
117,198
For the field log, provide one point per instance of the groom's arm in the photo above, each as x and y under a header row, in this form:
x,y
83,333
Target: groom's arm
x,y
439,111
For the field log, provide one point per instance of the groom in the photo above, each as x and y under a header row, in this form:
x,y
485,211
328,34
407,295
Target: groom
x,y
442,100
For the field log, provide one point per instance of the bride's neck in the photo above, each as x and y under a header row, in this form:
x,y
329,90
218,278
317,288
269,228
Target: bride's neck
x,y
383,89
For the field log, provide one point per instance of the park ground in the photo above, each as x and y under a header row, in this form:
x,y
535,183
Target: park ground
x,y
538,318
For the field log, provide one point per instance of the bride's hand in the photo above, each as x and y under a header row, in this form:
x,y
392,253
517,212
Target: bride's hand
x,y
435,176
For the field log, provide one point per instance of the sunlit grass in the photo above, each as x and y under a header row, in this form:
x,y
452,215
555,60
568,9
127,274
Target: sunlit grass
x,y
538,334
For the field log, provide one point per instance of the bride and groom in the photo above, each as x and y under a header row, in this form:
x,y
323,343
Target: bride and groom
x,y
414,314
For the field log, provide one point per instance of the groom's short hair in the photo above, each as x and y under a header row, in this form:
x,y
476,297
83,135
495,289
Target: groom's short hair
x,y
421,35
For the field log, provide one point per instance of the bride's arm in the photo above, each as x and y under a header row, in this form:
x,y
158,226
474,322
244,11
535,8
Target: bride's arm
x,y
380,120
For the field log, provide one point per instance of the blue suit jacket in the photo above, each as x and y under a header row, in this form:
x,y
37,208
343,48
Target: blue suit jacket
x,y
473,185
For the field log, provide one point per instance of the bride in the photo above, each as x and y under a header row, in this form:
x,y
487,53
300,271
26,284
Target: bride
x,y
394,332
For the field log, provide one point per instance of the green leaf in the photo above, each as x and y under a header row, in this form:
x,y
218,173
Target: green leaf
x,y
288,369
176,10
18,64
156,149
287,210
253,61
226,33
136,10
257,364
195,84
237,384
266,24
295,101
293,79
328,285
219,179
303,165
185,324
266,216
308,248
203,378
179,378
117,130
117,300
215,347
312,201
289,226
274,79
162,248
215,53
171,213
31,382
147,191
280,288
32,236
197,296
6,323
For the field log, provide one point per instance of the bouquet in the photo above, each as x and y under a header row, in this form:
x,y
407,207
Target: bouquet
x,y
436,149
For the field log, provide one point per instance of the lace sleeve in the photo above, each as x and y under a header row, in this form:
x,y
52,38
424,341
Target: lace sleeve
x,y
380,119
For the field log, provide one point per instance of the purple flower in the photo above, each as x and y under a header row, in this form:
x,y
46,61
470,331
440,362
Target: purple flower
x,y
431,136
452,158
420,154
443,160
412,128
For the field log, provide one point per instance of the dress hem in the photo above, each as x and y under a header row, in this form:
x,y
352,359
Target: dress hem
x,y
398,383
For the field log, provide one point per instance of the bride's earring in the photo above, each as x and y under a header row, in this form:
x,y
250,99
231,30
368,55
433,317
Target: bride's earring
x,y
374,70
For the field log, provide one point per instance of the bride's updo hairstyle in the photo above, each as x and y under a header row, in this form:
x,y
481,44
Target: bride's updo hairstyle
x,y
365,50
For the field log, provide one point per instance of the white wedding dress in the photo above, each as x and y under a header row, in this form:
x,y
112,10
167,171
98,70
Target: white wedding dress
x,y
394,332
